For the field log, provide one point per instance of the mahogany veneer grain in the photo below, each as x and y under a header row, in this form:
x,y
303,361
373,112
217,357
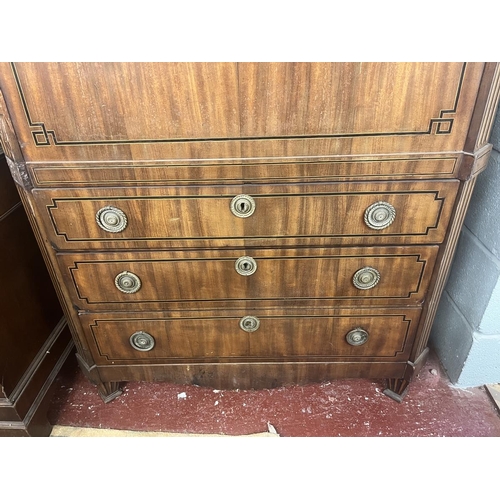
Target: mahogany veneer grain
x,y
314,144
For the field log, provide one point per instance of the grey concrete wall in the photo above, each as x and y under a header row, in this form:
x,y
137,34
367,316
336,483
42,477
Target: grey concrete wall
x,y
466,333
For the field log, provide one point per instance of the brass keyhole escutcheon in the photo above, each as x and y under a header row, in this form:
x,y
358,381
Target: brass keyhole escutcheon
x,y
245,266
249,323
242,205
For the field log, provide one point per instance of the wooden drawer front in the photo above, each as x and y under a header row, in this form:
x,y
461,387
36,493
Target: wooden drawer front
x,y
438,165
211,276
156,111
220,339
203,216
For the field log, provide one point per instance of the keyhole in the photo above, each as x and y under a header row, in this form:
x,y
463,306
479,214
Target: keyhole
x,y
249,323
245,266
242,205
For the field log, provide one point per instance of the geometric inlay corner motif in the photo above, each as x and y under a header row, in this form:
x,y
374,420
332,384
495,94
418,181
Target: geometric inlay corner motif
x,y
41,136
443,124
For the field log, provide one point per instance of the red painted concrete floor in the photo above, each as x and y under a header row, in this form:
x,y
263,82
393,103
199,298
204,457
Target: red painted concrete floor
x,y
347,408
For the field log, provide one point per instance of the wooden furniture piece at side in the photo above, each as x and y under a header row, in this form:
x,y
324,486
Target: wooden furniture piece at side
x,y
247,225
34,337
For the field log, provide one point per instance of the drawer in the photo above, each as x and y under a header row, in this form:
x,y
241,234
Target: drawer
x,y
381,335
317,214
148,280
440,165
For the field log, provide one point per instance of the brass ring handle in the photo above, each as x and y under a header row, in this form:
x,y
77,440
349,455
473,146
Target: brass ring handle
x,y
127,282
380,215
111,219
366,278
249,323
142,341
242,206
356,337
245,266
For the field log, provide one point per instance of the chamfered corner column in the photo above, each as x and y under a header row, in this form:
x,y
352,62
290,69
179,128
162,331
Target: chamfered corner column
x,y
107,390
397,388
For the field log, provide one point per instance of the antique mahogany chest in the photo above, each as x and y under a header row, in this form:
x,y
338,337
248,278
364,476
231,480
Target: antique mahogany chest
x,y
248,225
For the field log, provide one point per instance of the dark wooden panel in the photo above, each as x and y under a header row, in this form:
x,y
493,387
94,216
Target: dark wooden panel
x,y
177,216
33,392
29,411
45,367
30,309
280,337
8,193
281,274
34,338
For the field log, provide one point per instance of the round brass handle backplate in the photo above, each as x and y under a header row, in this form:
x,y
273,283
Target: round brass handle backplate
x,y
142,341
111,219
366,278
380,215
356,337
127,282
